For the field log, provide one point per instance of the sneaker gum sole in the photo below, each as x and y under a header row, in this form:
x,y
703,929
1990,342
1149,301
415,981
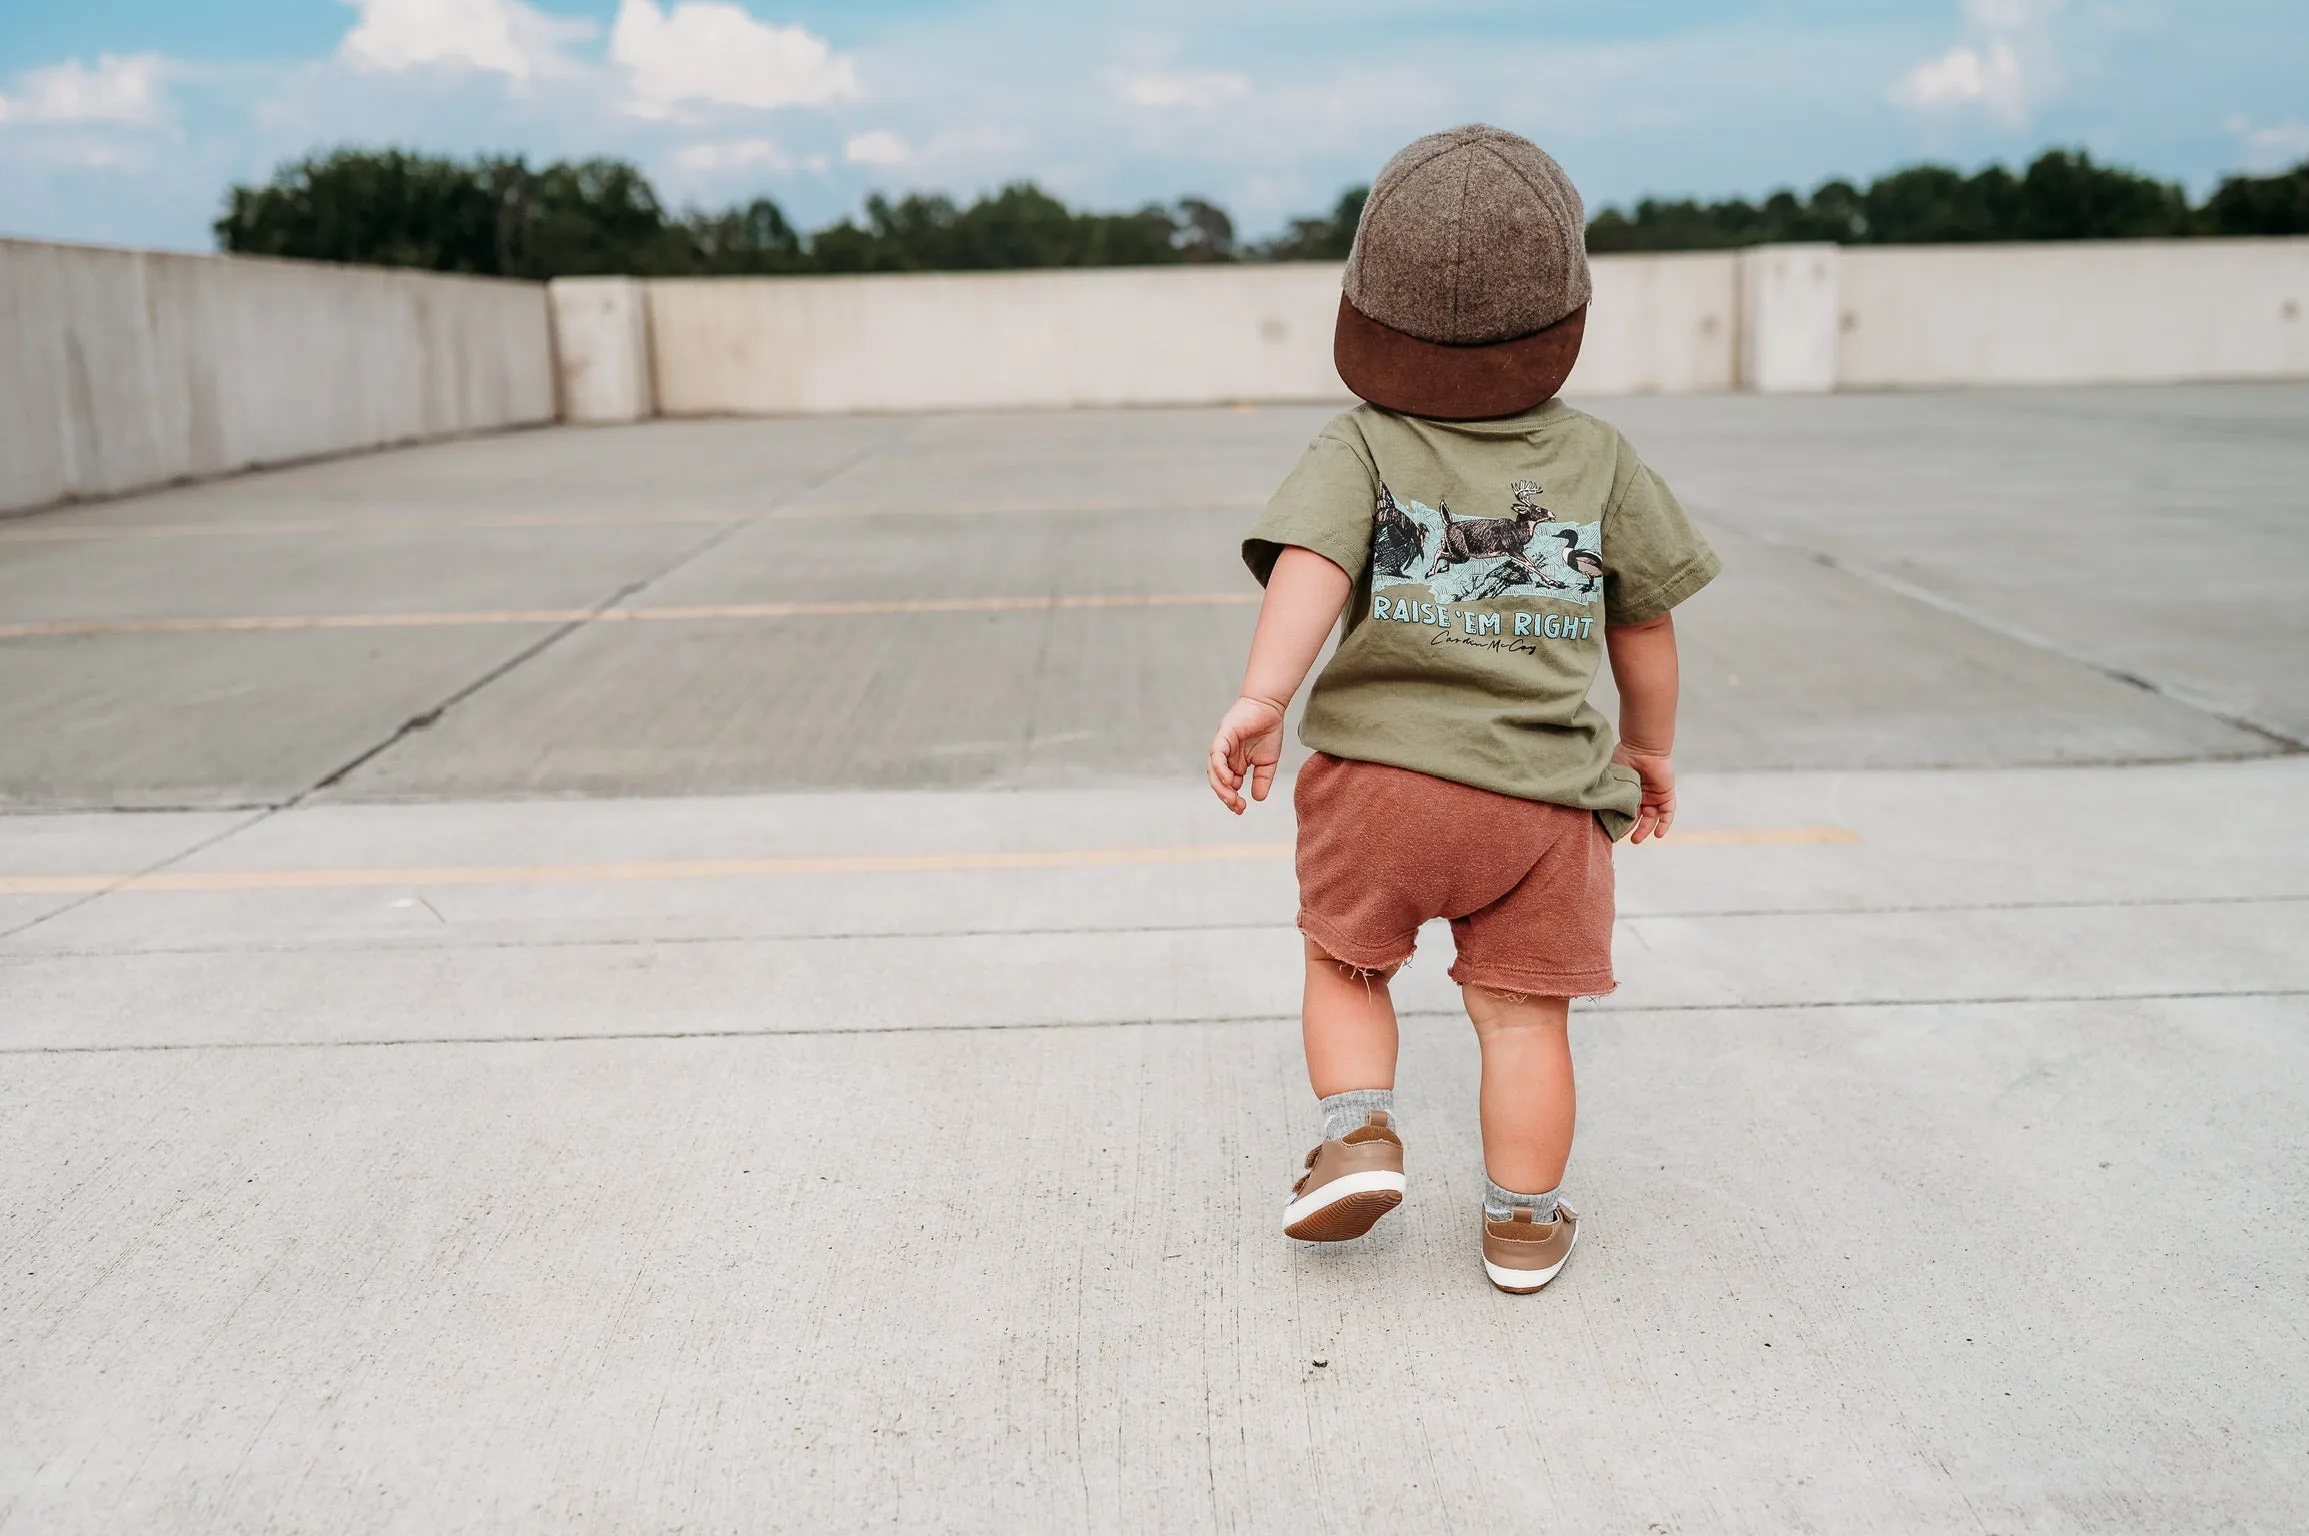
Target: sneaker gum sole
x,y
1344,1208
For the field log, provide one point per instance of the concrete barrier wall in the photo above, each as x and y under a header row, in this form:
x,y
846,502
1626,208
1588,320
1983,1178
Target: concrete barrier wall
x,y
1772,319
601,345
1143,336
125,369
1661,325
1124,336
2130,311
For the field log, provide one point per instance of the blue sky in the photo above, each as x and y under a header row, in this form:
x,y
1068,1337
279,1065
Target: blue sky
x,y
126,120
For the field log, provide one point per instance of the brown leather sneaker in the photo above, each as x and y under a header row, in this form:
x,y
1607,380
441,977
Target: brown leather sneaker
x,y
1349,1184
1521,1255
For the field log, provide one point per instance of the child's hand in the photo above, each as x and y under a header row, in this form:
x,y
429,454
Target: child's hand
x,y
1250,739
1658,811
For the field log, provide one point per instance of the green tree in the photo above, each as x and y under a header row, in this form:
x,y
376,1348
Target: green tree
x,y
1019,226
383,207
2259,205
1203,231
1320,239
493,216
599,216
498,215
753,239
1931,204
2062,195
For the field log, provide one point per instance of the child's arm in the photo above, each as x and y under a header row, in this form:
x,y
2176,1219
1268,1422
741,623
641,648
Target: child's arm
x,y
1305,593
1643,667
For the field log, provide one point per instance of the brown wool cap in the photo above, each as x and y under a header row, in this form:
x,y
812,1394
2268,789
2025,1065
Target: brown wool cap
x,y
1466,293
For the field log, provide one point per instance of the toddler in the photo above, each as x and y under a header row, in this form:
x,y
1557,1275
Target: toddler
x,y
1489,545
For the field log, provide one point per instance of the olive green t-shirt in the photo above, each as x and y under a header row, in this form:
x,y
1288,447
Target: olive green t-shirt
x,y
1487,556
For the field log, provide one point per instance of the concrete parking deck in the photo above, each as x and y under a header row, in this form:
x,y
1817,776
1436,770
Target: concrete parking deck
x,y
681,977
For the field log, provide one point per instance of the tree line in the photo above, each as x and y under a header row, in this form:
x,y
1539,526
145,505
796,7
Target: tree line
x,y
499,216
2062,195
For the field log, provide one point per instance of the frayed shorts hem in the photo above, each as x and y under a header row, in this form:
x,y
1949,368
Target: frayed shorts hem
x,y
1356,953
1536,983
1384,955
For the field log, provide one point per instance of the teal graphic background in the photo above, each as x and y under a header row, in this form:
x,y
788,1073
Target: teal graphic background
x,y
1546,564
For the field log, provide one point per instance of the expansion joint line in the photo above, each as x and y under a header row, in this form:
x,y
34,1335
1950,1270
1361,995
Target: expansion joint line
x,y
2280,742
917,1030
427,719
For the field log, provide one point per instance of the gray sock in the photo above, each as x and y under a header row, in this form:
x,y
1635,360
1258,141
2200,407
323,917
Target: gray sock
x,y
1350,1111
1500,1204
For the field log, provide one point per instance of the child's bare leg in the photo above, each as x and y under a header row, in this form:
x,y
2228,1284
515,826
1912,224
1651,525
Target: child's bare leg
x,y
1347,1025
1356,1175
1528,1103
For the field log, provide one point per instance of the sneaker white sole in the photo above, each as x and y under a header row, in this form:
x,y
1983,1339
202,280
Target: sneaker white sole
x,y
1522,1282
1360,1200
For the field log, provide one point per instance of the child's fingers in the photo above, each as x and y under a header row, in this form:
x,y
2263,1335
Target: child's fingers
x,y
1226,756
1227,767
1262,775
1225,791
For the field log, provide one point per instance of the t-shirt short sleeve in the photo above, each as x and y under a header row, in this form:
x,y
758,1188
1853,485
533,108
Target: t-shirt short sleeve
x,y
1653,557
1323,505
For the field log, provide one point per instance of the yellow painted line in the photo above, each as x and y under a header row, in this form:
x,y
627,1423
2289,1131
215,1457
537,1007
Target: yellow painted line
x,y
84,532
61,533
53,628
1215,502
423,875
66,533
648,869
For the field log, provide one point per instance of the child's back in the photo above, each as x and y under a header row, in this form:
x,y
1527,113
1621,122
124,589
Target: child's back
x,y
1489,545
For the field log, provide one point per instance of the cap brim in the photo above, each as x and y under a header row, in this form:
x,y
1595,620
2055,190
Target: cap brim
x,y
1453,383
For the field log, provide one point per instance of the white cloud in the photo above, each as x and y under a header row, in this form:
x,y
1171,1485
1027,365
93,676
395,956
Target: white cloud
x,y
878,147
1198,91
2002,64
2280,146
708,52
706,160
503,37
1990,75
122,91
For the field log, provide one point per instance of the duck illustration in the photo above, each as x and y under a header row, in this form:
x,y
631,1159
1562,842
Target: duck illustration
x,y
1584,562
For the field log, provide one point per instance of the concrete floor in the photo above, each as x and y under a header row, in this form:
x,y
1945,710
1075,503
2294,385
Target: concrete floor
x,y
459,1140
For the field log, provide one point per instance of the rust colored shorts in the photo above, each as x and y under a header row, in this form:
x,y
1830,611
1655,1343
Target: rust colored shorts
x,y
1527,886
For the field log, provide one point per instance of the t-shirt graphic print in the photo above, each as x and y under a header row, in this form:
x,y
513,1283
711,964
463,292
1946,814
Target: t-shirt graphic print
x,y
1466,560
1473,636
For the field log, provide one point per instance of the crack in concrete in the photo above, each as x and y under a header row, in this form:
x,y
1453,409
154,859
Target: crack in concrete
x,y
2279,743
426,719
1798,1006
373,945
429,718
